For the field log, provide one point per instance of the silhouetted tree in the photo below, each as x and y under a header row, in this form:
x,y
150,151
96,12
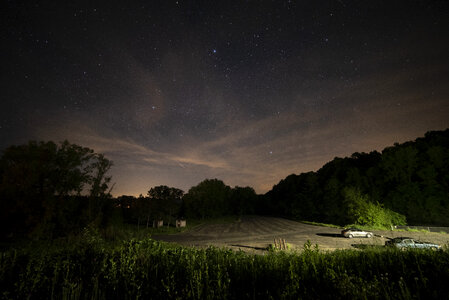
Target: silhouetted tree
x,y
210,198
164,202
36,178
242,201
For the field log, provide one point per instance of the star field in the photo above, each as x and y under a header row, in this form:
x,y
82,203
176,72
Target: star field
x,y
245,91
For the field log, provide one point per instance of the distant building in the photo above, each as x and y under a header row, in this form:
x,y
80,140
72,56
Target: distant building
x,y
180,223
158,223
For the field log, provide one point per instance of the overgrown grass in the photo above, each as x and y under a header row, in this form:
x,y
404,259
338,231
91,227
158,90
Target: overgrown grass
x,y
116,234
364,227
321,224
369,227
90,269
416,230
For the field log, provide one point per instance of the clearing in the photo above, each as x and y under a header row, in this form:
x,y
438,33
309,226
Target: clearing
x,y
255,233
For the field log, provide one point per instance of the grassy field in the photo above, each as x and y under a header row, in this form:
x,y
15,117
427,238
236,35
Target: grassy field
x,y
89,268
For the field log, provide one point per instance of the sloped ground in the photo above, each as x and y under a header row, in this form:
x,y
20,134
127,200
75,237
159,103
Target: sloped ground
x,y
255,233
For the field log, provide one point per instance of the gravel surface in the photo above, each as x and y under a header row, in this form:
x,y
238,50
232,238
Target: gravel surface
x,y
256,233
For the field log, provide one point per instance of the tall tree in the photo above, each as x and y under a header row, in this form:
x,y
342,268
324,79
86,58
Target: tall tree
x,y
243,200
36,177
165,202
210,198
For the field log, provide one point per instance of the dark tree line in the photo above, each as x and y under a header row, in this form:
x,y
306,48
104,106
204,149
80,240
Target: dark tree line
x,y
48,189
161,203
211,198
411,179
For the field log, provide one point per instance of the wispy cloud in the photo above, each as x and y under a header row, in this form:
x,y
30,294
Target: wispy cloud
x,y
257,151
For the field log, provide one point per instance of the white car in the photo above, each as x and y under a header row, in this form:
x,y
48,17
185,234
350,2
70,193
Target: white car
x,y
355,232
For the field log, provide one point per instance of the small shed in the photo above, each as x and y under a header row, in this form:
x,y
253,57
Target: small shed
x,y
158,223
180,223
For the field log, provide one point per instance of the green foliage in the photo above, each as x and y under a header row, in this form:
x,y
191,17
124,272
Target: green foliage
x,y
153,270
410,179
321,224
308,248
361,211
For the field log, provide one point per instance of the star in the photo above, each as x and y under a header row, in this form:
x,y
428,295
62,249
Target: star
x,y
276,81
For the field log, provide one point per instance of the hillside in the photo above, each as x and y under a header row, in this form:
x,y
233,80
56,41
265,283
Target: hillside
x,y
411,179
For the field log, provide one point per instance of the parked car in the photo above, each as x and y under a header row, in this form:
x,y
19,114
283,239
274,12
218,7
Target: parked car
x,y
356,232
407,242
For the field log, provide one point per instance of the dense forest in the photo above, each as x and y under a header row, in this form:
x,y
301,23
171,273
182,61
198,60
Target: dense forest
x,y
410,179
49,190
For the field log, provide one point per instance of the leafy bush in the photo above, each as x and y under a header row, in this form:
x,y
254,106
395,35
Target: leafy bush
x,y
362,211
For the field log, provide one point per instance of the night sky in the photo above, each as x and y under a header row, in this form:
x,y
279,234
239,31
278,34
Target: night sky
x,y
174,92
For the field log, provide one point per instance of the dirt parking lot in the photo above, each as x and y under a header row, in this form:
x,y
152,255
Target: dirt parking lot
x,y
255,233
